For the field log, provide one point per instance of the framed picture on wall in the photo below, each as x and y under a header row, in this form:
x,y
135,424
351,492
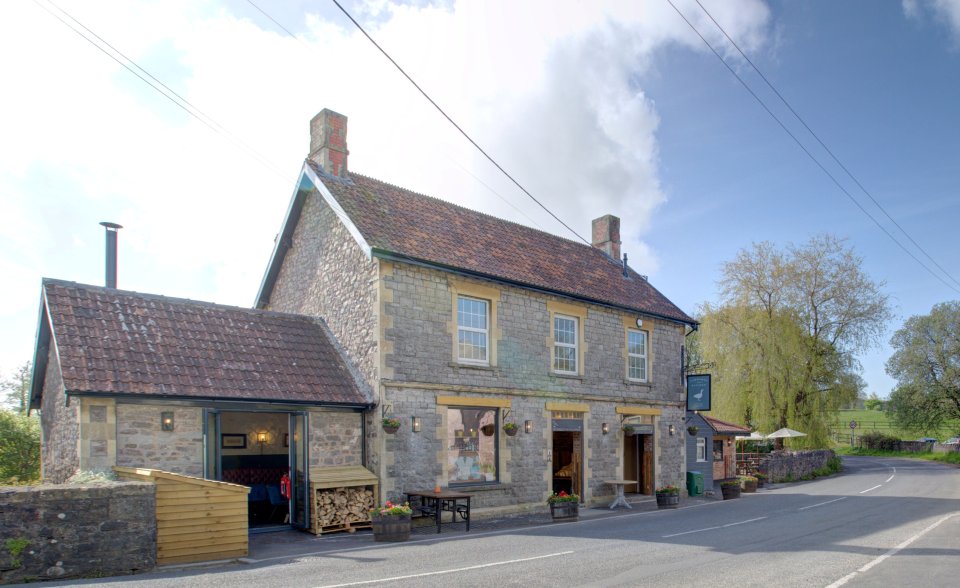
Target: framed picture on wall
x,y
286,439
231,441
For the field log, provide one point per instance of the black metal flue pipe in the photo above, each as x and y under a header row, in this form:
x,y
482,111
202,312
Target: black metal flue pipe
x,y
111,260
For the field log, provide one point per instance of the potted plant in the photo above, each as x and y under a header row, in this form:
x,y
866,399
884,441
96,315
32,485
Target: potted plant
x,y
391,522
668,497
564,507
692,429
761,478
730,489
390,425
748,483
628,429
510,428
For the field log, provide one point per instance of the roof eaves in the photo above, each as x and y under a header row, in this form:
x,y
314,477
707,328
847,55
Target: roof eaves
x,y
394,256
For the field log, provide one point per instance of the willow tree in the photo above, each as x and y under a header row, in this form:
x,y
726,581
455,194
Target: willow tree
x,y
784,336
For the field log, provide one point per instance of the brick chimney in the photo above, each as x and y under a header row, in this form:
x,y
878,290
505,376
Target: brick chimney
x,y
606,235
328,142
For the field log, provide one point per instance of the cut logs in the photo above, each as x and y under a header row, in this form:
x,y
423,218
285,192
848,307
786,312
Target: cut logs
x,y
341,498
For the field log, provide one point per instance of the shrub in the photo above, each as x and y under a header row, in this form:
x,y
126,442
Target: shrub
x,y
668,490
880,441
92,477
730,484
562,498
19,449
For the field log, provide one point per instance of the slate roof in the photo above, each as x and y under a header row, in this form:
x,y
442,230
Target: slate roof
x,y
401,222
120,342
725,428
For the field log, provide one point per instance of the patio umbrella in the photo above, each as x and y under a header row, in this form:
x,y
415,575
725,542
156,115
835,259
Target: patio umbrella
x,y
754,436
785,433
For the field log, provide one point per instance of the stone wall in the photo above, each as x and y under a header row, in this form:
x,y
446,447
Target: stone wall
x,y
794,465
51,532
60,423
336,439
141,443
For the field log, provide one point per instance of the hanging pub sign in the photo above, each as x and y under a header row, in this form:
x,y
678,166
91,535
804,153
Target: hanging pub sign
x,y
698,392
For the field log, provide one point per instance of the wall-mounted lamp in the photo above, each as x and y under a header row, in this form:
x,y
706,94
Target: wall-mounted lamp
x,y
528,427
166,421
605,428
729,441
261,438
416,424
672,430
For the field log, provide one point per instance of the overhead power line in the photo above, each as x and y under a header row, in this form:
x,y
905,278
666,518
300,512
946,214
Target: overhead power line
x,y
169,94
439,109
807,151
822,144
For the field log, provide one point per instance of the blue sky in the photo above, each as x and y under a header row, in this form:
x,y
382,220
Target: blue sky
x,y
607,107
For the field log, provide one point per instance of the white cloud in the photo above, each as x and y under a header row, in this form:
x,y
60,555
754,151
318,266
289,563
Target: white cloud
x,y
946,10
553,90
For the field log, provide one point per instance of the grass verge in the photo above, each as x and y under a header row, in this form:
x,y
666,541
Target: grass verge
x,y
951,458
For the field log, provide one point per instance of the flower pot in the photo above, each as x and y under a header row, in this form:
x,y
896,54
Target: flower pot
x,y
511,431
750,486
692,430
564,512
391,528
670,500
391,429
730,492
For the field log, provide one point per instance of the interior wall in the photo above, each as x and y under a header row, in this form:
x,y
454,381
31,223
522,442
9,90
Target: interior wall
x,y
274,424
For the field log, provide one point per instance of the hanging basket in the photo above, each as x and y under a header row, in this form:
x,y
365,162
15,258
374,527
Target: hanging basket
x,y
488,430
390,426
511,429
692,429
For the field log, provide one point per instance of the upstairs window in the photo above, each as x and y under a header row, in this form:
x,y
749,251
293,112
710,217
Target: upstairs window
x,y
637,355
472,330
565,341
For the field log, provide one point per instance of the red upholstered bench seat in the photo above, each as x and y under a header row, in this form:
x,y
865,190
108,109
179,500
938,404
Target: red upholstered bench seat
x,y
251,476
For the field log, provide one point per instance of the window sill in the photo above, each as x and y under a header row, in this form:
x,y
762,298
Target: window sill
x,y
473,366
647,384
576,377
485,487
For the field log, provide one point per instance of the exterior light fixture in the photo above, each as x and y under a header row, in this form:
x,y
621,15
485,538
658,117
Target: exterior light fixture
x,y
166,421
262,438
605,428
416,424
527,427
672,430
729,441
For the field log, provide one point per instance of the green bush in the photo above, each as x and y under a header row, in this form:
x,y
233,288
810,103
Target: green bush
x,y
880,441
20,448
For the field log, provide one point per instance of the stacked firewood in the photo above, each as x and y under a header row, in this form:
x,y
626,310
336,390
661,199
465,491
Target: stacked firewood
x,y
342,506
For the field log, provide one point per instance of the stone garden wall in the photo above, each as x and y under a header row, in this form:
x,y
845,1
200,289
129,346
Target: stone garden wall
x,y
794,465
49,532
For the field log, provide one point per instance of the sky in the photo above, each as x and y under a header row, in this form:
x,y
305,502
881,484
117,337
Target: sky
x,y
595,107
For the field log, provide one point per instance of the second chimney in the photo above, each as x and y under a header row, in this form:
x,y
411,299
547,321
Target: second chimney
x,y
606,235
110,264
328,142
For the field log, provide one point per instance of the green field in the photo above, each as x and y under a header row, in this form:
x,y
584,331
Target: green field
x,y
875,420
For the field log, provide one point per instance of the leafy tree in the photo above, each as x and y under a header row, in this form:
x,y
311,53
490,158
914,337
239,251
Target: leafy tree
x,y
926,365
19,448
873,402
784,335
16,389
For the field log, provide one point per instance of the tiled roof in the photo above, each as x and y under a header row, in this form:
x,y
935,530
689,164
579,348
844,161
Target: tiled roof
x,y
407,224
119,342
725,428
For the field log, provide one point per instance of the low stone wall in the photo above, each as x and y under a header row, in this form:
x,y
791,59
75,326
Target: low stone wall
x,y
61,531
794,465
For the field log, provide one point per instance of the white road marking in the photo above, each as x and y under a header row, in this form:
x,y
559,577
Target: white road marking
x,y
688,532
713,528
869,489
822,503
893,551
451,571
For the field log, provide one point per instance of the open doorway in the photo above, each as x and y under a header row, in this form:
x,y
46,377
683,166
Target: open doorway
x,y
638,463
256,449
568,462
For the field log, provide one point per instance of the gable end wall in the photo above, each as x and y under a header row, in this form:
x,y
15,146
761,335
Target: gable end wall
x,y
60,423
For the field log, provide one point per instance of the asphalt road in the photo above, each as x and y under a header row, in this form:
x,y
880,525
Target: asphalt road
x,y
882,522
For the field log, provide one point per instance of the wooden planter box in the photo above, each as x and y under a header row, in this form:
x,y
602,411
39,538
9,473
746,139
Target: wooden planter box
x,y
749,486
730,492
565,512
391,528
668,500
341,499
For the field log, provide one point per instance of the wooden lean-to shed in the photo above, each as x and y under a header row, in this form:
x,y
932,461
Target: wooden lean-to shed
x,y
341,498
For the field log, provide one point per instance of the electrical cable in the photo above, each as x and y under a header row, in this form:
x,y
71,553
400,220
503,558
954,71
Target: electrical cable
x,y
822,144
807,151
